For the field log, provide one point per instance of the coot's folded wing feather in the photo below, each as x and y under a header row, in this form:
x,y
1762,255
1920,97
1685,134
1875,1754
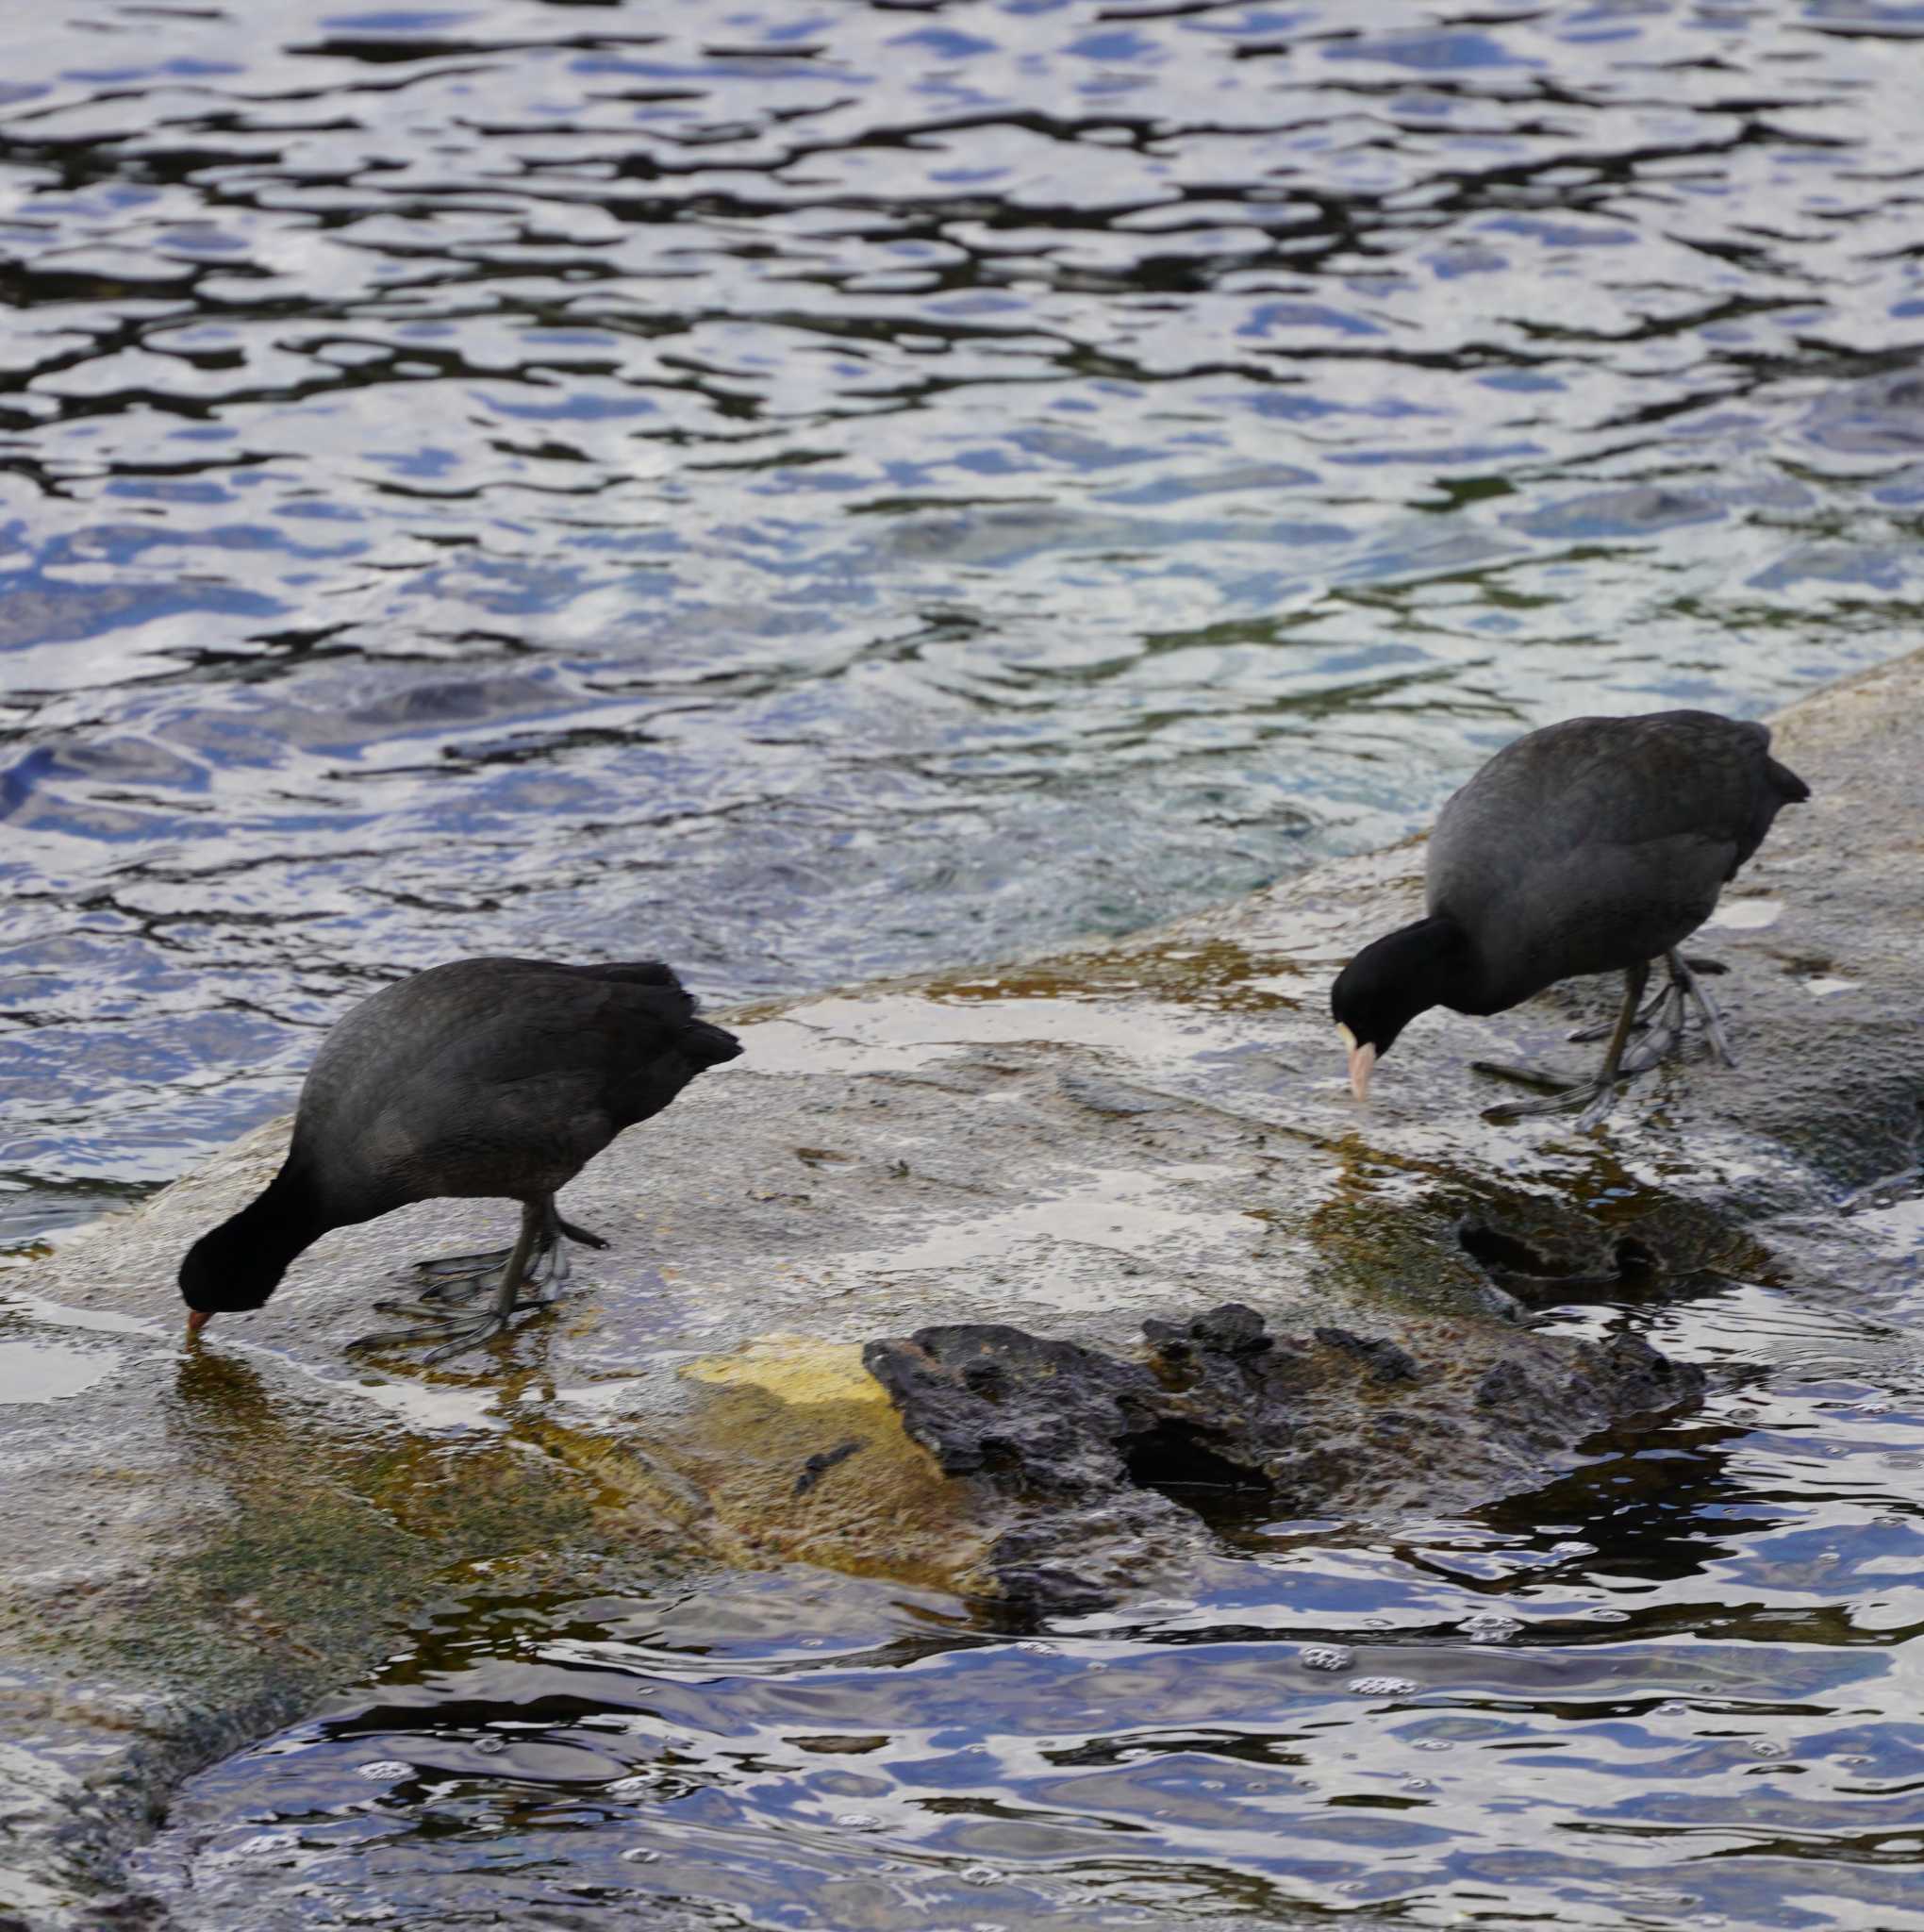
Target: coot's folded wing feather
x,y
500,1068
1593,842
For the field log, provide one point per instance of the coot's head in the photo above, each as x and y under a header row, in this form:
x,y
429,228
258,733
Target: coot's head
x,y
240,1264
1385,986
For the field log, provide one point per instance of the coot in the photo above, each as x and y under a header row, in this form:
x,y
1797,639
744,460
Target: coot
x,y
485,1076
1595,845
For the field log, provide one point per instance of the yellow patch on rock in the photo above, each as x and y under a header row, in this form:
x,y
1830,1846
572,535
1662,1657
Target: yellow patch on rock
x,y
802,1456
792,1451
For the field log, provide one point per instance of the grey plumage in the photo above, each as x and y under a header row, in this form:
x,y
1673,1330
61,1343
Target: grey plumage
x,y
489,1076
1595,845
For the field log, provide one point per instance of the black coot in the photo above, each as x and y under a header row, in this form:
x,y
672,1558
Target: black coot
x,y
485,1076
1595,845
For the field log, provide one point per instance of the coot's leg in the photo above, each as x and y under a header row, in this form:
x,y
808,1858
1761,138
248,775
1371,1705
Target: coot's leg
x,y
1686,969
1689,975
1665,1034
1605,1028
1593,1097
462,1278
1684,985
458,1330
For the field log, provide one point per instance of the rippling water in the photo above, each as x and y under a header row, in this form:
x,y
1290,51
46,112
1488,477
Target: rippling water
x,y
813,491
821,489
1681,1689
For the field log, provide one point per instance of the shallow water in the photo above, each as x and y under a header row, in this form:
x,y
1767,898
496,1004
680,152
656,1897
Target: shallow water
x,y
819,491
1681,1688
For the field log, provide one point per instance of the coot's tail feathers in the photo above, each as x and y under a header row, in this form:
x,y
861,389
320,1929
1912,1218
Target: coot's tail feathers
x,y
707,1046
636,973
1787,785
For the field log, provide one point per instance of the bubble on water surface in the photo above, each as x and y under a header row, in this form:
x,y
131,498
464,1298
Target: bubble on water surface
x,y
1325,1656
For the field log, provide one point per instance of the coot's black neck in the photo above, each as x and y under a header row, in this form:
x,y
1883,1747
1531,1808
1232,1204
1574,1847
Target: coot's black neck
x,y
1435,960
1461,982
240,1264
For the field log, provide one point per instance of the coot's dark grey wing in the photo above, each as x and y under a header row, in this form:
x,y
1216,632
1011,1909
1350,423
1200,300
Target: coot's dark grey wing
x,y
1593,845
495,1076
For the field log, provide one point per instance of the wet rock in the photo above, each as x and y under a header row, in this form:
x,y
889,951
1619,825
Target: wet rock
x,y
1546,1251
821,1462
1082,1461
1140,1247
1607,1382
1506,1386
1231,1330
1387,1361
1626,1377
1029,1416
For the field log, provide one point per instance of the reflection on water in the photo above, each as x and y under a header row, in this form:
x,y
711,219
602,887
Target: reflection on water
x,y
1680,1688
813,491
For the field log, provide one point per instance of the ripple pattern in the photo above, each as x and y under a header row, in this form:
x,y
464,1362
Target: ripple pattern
x,y
819,491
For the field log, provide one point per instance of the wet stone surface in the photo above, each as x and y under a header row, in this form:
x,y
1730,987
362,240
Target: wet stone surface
x,y
1081,1459
1061,1206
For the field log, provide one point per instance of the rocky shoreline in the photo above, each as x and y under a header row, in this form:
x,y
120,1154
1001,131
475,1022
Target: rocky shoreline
x,y
969,1283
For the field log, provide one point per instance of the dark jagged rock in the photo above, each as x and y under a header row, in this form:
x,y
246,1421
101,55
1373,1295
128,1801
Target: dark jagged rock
x,y
1608,1382
1233,1328
818,1465
1089,1456
1387,1362
1626,1377
1027,1415
1040,1427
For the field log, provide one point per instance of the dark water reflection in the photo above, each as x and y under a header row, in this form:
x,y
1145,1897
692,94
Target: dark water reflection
x,y
817,490
1679,1689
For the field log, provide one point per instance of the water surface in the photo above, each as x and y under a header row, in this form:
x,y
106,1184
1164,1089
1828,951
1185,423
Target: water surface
x,y
816,490
819,490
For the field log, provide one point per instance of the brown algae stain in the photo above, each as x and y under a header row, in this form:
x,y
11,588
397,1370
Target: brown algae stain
x,y
791,1452
801,1454
1217,975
